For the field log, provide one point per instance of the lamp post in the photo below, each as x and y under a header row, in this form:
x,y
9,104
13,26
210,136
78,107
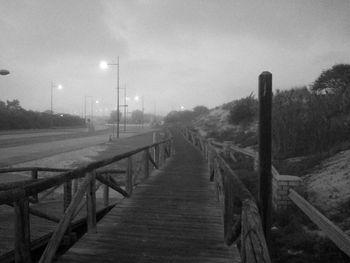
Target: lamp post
x,y
125,107
137,98
105,65
53,86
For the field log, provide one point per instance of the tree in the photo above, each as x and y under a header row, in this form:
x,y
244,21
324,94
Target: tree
x,y
244,111
13,105
114,117
200,110
334,83
137,116
333,80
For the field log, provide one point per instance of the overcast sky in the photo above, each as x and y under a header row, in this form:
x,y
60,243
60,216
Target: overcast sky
x,y
179,52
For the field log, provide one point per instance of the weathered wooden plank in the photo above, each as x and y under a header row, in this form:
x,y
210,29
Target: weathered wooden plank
x,y
91,204
41,185
112,184
171,218
57,236
67,194
146,156
253,244
129,175
22,231
341,239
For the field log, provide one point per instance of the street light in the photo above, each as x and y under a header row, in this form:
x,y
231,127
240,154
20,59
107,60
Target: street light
x,y
105,65
125,107
59,87
137,98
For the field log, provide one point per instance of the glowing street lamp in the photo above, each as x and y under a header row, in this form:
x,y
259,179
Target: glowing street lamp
x,y
58,87
105,65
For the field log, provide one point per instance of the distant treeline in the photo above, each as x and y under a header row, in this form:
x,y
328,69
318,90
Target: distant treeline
x,y
13,116
185,117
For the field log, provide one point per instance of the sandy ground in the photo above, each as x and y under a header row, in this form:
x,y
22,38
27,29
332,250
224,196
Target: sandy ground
x,y
329,183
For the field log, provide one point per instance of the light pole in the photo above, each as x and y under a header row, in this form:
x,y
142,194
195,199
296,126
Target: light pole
x,y
125,107
137,98
59,87
104,65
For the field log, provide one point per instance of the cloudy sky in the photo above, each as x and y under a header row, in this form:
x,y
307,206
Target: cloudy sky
x,y
175,53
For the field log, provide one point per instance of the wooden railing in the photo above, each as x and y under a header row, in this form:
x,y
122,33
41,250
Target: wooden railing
x,y
242,222
76,184
334,233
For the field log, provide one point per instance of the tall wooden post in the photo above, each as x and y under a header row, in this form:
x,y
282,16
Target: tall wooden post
x,y
35,177
129,175
265,175
67,194
91,204
22,231
146,163
105,195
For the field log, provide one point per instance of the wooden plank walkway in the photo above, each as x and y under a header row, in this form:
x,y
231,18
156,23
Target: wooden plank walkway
x,y
172,217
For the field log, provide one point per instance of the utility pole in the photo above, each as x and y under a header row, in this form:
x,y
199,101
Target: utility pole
x,y
125,108
143,110
118,98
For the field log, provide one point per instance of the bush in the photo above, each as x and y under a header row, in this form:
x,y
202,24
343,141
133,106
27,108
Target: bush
x,y
244,111
13,116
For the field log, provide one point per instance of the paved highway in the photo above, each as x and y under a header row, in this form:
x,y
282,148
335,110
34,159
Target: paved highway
x,y
22,147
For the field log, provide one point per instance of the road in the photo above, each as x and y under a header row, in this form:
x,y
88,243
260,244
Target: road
x,y
21,147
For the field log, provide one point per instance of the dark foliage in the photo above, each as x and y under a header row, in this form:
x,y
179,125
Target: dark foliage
x,y
294,240
244,111
13,116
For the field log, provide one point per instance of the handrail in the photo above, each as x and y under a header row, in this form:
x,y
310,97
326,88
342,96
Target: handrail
x,y
18,194
341,239
240,212
41,185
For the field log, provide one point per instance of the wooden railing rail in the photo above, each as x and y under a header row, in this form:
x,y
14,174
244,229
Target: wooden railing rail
x,y
18,194
340,238
242,222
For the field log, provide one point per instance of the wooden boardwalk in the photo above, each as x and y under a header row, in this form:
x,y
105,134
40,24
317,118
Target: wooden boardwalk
x,y
171,217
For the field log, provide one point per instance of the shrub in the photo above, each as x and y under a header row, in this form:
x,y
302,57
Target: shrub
x,y
244,111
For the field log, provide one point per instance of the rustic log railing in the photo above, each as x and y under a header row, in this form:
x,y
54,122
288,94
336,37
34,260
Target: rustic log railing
x,y
334,233
242,222
76,183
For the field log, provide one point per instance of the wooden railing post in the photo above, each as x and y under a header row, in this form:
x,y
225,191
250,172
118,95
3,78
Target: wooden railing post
x,y
67,194
226,148
105,195
91,204
35,177
210,159
75,185
62,226
146,163
265,188
128,183
22,231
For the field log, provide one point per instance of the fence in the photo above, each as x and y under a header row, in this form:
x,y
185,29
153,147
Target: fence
x,y
76,184
242,222
285,188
